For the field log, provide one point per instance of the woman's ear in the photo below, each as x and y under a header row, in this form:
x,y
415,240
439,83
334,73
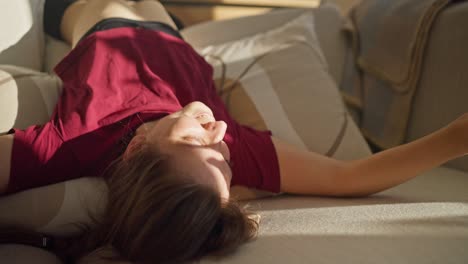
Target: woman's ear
x,y
136,143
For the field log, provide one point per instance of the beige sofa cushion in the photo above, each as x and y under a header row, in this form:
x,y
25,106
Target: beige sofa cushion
x,y
22,36
328,27
278,80
26,97
55,208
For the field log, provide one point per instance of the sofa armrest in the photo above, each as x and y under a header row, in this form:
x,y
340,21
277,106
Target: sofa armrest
x,y
442,92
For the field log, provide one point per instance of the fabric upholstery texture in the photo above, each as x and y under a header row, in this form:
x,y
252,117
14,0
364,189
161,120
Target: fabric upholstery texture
x,y
328,27
55,208
411,85
442,93
391,66
26,96
22,41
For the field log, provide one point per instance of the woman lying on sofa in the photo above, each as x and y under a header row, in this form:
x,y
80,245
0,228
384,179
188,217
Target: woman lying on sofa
x,y
139,108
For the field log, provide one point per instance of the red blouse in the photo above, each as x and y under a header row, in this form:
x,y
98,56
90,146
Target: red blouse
x,y
108,79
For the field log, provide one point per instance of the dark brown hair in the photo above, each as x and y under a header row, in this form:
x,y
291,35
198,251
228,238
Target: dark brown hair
x,y
154,215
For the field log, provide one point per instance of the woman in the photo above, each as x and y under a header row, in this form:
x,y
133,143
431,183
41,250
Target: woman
x,y
139,107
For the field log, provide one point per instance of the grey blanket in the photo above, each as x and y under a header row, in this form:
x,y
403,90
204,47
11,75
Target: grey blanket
x,y
390,38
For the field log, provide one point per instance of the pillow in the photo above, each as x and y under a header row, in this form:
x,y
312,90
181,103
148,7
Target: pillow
x,y
56,208
22,42
26,97
278,80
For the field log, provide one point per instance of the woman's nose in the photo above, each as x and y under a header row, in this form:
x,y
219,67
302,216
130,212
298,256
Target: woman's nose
x,y
209,125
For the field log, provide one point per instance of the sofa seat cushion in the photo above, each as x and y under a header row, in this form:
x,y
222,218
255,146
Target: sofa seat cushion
x,y
424,220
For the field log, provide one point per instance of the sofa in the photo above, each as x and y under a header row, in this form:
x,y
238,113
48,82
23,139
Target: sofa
x,y
424,220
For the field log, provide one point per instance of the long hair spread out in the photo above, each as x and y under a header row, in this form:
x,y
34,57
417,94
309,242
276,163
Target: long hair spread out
x,y
154,215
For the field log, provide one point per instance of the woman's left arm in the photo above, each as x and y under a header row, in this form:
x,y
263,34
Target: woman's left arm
x,y
310,173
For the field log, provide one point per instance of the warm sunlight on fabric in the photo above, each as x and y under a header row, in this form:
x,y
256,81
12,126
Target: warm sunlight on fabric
x,y
8,97
437,218
21,14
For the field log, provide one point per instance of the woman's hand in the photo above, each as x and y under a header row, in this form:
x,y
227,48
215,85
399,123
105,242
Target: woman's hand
x,y
457,132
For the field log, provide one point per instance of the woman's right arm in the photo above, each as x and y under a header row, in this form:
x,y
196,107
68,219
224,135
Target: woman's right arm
x,y
304,172
6,145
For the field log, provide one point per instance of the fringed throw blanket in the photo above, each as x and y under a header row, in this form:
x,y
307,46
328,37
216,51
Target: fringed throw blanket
x,y
389,38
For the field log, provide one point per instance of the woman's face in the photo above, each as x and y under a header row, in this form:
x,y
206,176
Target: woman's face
x,y
194,140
